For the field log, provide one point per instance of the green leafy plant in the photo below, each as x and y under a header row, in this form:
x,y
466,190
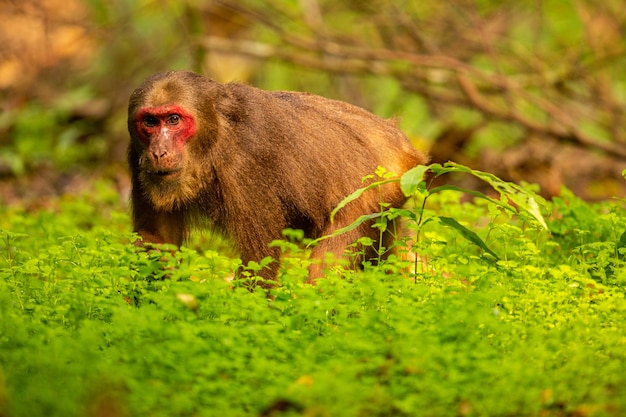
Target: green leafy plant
x,y
416,184
122,331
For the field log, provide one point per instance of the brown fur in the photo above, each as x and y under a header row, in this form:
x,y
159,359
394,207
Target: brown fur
x,y
263,161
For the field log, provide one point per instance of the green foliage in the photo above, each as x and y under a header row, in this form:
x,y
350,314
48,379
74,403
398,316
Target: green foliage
x,y
513,198
47,136
91,325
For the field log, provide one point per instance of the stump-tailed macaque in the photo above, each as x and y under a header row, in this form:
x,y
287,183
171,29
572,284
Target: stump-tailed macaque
x,y
255,162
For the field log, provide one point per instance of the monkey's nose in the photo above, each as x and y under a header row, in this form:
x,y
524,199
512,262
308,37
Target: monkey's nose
x,y
159,154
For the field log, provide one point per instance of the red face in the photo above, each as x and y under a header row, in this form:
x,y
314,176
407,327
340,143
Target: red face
x,y
151,122
164,130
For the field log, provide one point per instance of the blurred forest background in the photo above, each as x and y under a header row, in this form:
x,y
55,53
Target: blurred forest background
x,y
530,90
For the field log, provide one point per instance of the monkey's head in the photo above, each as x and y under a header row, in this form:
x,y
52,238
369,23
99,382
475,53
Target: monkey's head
x,y
172,121
164,131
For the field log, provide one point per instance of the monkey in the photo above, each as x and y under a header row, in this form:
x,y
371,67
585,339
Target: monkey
x,y
252,163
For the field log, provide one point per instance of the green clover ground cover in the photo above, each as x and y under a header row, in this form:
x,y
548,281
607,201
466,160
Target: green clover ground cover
x,y
89,326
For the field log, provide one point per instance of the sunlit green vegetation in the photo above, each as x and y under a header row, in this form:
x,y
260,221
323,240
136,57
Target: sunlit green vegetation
x,y
89,324
514,305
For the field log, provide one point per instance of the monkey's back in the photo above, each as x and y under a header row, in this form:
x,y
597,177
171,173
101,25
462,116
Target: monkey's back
x,y
315,151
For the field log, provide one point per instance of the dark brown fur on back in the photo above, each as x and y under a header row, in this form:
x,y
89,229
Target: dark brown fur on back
x,y
264,161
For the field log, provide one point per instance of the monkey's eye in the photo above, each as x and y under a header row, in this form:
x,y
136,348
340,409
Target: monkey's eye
x,y
174,119
150,121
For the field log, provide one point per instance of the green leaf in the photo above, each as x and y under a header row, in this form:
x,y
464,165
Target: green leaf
x,y
356,194
351,226
411,179
526,200
471,192
621,244
533,210
467,234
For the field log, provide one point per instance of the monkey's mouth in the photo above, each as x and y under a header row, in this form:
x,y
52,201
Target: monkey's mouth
x,y
166,173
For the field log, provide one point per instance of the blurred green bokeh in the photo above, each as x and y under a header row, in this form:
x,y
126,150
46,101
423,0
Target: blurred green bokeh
x,y
519,88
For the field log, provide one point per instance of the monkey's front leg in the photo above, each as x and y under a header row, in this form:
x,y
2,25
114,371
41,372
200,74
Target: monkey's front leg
x,y
160,227
337,248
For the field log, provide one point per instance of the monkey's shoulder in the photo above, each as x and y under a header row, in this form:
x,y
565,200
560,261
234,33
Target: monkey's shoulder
x,y
288,98
309,104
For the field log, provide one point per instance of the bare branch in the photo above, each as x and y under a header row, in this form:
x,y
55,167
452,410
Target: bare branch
x,y
360,60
